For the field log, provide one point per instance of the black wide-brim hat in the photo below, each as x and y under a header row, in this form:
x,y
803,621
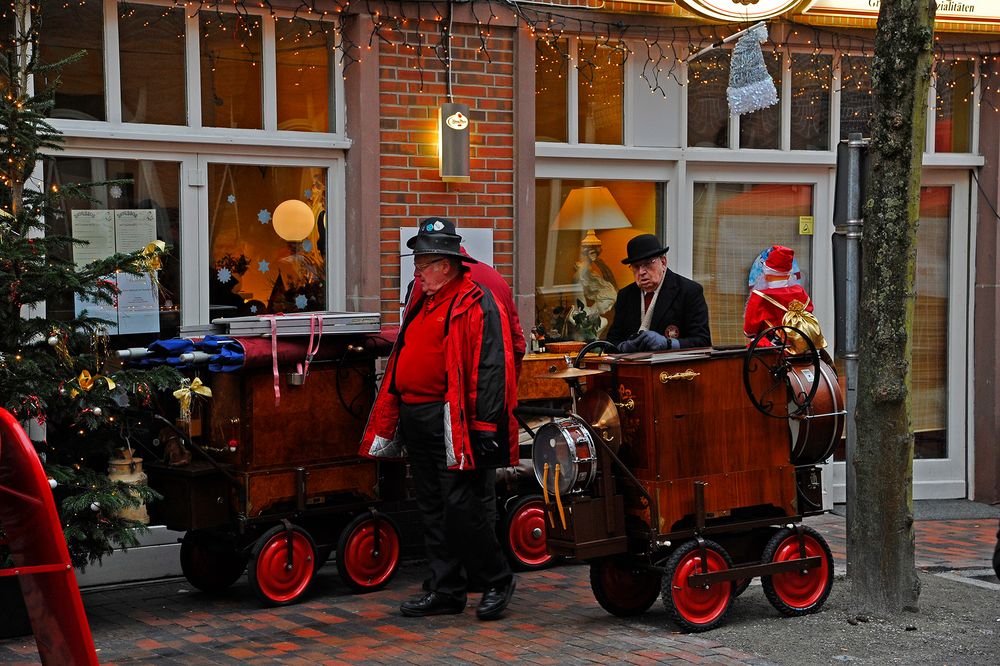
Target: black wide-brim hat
x,y
437,235
643,246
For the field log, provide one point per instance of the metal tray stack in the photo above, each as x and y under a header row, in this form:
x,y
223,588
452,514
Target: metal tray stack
x,y
334,323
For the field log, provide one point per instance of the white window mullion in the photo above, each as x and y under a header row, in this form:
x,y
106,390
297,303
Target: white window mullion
x,y
112,64
785,138
931,113
192,62
572,98
269,82
977,83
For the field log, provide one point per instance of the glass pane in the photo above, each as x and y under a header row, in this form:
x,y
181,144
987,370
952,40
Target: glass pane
x,y
733,223
551,116
151,39
762,129
255,270
152,186
600,89
953,125
306,60
66,30
230,70
811,80
580,237
856,102
930,325
708,107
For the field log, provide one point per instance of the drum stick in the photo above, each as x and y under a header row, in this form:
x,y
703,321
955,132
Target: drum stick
x,y
562,515
545,494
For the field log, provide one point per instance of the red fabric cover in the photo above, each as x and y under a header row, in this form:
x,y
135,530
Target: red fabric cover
x,y
760,314
779,259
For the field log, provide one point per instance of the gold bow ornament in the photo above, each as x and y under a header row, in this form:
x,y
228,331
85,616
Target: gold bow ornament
x,y
86,381
149,260
185,394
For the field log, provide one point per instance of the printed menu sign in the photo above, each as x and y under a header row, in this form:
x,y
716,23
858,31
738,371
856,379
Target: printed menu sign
x,y
137,307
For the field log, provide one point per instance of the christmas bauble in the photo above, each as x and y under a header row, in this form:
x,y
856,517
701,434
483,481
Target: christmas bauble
x,y
53,340
98,411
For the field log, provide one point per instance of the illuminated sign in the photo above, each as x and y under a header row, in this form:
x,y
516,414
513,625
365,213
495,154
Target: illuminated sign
x,y
741,10
969,11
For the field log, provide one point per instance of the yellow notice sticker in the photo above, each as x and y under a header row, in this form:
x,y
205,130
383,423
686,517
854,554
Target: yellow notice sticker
x,y
805,225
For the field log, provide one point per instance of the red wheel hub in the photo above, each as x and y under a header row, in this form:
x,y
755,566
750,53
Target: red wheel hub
x,y
279,580
365,565
527,534
801,589
700,605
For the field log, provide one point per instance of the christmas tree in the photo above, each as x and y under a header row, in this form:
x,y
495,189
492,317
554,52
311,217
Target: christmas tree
x,y
60,374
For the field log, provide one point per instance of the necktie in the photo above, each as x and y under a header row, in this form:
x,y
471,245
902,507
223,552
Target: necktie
x,y
647,298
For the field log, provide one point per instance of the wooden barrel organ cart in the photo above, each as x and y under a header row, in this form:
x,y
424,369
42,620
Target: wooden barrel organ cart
x,y
276,487
677,475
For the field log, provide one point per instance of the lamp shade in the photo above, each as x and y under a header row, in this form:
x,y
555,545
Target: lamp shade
x,y
590,208
293,220
453,142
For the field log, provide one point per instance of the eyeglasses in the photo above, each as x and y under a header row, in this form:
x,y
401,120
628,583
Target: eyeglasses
x,y
420,268
640,266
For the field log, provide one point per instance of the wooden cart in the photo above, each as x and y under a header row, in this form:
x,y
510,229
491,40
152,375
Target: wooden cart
x,y
678,476
275,487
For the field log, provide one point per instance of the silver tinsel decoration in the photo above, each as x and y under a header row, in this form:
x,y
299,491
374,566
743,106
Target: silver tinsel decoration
x,y
750,85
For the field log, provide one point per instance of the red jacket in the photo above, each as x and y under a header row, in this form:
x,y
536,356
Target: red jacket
x,y
481,393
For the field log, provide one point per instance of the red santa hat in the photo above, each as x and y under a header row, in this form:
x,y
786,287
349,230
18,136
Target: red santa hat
x,y
779,260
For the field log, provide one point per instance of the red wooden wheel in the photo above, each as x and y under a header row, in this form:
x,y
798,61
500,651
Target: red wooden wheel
x,y
623,587
279,575
525,534
798,592
368,552
696,608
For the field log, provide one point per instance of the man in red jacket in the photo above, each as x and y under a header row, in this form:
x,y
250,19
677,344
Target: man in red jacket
x,y
446,402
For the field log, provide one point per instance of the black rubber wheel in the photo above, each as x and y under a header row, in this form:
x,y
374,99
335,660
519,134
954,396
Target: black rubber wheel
x,y
276,578
523,536
798,592
740,586
624,587
211,562
696,608
368,552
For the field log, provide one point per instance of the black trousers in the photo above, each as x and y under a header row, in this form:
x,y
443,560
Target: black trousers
x,y
459,540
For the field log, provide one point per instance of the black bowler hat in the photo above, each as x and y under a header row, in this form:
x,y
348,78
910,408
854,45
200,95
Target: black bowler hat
x,y
437,235
642,247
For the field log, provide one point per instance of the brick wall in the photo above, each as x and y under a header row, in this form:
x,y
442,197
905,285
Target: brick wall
x,y
410,188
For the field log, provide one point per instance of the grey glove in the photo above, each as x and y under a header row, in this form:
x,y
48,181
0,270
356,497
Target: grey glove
x,y
653,341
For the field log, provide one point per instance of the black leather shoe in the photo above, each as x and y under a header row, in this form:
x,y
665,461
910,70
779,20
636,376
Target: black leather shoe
x,y
432,603
495,600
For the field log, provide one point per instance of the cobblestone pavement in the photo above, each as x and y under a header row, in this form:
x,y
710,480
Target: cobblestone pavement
x,y
553,619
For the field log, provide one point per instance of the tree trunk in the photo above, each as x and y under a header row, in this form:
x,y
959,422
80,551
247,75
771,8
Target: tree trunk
x,y
880,515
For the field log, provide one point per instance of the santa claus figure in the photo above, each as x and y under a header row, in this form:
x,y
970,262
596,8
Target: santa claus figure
x,y
777,299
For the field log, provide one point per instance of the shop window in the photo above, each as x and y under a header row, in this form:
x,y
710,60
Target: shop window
x,y
306,59
856,101
955,81
812,75
600,86
582,228
929,378
151,50
708,106
551,102
123,216
259,263
762,129
69,28
231,68
733,223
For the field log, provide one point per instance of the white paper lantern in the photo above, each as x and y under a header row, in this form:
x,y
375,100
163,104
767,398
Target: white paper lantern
x,y
293,220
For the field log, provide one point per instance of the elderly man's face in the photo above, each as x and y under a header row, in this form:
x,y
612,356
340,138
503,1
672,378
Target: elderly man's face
x,y
433,271
649,272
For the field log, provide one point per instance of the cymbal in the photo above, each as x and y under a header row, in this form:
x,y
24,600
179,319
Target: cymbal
x,y
571,373
598,409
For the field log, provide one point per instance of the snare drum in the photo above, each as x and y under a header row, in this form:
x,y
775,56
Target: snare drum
x,y
815,432
567,443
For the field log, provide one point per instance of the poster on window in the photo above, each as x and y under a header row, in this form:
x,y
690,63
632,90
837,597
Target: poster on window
x,y
136,308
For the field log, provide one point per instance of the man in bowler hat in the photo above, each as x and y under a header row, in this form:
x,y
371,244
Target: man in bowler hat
x,y
446,402
661,310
